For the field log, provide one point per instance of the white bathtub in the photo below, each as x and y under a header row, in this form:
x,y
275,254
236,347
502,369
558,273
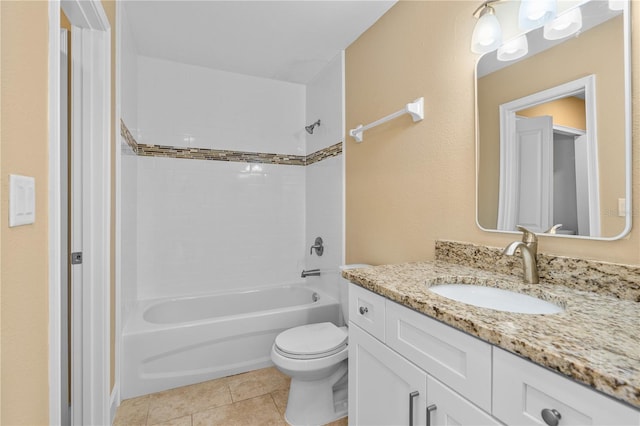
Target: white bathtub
x,y
176,342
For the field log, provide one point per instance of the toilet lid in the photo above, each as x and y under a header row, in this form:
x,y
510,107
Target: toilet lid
x,y
312,340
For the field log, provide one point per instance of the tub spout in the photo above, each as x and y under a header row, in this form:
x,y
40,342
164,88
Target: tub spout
x,y
310,273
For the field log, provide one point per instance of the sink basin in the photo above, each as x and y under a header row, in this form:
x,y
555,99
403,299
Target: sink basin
x,y
496,298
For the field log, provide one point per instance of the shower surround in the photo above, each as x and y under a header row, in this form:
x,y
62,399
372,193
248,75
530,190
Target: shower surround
x,y
223,190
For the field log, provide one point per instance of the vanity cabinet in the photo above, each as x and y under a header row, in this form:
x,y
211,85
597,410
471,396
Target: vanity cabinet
x,y
395,352
398,361
522,390
387,383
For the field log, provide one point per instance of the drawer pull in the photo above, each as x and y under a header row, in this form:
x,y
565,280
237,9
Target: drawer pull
x,y
551,417
412,396
363,310
430,408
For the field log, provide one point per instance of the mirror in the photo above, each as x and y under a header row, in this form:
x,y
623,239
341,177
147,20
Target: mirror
x,y
553,137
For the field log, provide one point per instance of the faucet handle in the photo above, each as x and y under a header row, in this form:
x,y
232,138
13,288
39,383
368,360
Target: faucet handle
x,y
527,235
553,229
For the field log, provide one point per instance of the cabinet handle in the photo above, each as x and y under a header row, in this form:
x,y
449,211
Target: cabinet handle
x,y
363,310
412,396
550,416
430,408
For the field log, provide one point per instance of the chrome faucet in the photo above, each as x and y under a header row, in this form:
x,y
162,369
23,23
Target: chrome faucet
x,y
528,249
310,273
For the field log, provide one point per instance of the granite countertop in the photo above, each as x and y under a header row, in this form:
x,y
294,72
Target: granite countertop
x,y
595,341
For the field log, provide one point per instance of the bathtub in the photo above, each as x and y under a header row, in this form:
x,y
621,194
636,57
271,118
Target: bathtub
x,y
180,341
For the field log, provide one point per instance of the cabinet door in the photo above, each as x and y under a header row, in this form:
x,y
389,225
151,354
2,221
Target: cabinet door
x,y
381,383
522,390
461,361
449,408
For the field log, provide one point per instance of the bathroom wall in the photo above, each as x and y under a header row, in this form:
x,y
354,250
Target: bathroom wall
x,y
324,179
128,168
410,184
24,275
206,226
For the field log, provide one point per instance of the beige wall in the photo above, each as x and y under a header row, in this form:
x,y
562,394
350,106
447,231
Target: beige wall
x,y
568,112
561,64
411,184
24,276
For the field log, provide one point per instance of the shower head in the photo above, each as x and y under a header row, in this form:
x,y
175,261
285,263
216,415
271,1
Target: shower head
x,y
310,127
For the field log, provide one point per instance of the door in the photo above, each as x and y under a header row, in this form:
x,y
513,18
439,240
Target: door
x,y
529,198
385,389
90,127
65,388
448,408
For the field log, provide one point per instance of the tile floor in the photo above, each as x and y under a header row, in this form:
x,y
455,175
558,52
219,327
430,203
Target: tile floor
x,y
254,398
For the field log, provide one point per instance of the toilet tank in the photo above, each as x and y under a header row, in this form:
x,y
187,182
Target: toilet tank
x,y
344,289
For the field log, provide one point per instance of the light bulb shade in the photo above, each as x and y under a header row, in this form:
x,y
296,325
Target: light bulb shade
x,y
513,49
564,25
536,13
487,34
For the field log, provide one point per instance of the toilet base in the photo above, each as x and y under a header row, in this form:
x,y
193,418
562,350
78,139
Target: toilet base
x,y
318,402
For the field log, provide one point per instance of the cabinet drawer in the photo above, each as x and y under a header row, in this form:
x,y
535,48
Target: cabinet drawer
x,y
449,408
367,310
522,389
451,356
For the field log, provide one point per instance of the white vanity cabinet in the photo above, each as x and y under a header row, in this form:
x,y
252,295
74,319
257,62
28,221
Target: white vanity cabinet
x,y
522,390
389,389
390,356
395,352
446,407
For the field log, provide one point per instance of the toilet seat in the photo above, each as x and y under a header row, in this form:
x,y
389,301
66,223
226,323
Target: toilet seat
x,y
311,341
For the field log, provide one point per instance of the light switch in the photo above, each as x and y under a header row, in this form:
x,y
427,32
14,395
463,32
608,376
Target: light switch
x,y
622,207
22,200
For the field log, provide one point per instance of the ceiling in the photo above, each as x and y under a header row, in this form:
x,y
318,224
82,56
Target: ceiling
x,y
283,40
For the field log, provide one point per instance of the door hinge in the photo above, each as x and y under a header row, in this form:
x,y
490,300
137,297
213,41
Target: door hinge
x,y
76,258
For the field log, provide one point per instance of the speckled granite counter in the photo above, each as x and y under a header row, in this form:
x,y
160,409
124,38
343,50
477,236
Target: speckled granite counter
x,y
596,340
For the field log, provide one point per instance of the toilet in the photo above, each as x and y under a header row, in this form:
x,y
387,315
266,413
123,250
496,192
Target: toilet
x,y
315,357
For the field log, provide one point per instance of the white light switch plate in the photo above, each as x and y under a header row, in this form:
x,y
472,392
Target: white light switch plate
x,y
622,207
22,200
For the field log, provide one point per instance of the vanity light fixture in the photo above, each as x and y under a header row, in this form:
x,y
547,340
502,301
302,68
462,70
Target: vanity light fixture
x,y
536,13
487,34
513,49
564,25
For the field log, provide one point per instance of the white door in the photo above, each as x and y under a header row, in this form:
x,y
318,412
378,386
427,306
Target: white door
x,y
383,386
90,215
449,408
65,388
534,150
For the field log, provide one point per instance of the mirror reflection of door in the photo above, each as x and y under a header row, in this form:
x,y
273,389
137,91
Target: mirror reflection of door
x,y
533,173
551,179
549,173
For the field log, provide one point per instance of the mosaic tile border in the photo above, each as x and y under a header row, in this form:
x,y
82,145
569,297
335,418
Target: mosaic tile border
x,y
611,279
147,150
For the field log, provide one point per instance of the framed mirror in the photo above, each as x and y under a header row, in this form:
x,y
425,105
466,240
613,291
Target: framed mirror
x,y
553,129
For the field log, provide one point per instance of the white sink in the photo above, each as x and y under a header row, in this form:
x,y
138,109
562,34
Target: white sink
x,y
496,298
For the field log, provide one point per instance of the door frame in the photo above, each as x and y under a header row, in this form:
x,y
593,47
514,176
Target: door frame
x,y
508,151
91,114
